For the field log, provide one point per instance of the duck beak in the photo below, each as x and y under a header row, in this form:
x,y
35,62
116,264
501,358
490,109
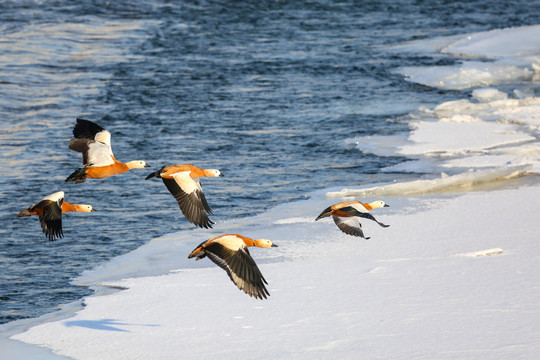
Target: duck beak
x,y
274,245
146,165
386,205
93,209
220,174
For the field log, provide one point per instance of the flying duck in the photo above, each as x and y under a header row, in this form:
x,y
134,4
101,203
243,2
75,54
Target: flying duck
x,y
347,215
230,252
184,184
94,142
50,211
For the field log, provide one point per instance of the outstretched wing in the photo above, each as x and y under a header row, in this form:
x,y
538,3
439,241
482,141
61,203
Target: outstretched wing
x,y
190,197
51,220
85,129
350,226
95,153
241,268
352,211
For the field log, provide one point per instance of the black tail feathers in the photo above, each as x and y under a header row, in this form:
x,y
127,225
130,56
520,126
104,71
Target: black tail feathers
x,y
78,176
325,213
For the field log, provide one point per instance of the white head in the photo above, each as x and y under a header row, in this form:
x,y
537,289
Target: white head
x,y
212,172
378,204
264,243
84,208
137,164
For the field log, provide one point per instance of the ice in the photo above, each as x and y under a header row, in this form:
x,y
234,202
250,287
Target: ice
x,y
487,95
512,42
444,183
488,130
470,74
514,55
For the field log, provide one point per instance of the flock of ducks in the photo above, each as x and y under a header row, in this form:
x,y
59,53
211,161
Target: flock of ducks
x,y
230,251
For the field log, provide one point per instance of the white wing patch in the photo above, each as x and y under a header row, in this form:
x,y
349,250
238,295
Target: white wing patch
x,y
359,207
231,242
186,183
104,137
56,196
99,154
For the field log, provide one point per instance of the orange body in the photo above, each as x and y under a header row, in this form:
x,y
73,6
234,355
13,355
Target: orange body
x,y
100,172
67,207
348,203
195,172
230,242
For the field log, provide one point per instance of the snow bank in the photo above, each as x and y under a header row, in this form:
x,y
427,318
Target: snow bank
x,y
405,293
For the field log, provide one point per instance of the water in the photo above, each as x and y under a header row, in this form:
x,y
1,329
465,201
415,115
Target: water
x,y
267,92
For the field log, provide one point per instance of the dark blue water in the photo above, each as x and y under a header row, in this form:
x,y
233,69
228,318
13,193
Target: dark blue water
x,y
265,91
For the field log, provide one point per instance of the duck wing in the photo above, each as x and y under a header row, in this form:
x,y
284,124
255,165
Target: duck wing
x,y
241,268
85,129
51,220
94,153
190,197
353,211
350,226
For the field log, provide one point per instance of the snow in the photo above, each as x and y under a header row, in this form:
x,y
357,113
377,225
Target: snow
x,y
451,137
453,277
406,293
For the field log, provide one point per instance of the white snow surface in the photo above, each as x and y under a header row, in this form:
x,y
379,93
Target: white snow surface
x,y
455,276
406,293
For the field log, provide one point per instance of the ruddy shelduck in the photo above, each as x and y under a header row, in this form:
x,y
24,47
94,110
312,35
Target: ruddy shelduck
x,y
347,215
184,184
94,142
230,252
50,211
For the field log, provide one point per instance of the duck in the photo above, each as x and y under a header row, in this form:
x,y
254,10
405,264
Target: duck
x,y
94,142
347,215
50,210
183,183
230,252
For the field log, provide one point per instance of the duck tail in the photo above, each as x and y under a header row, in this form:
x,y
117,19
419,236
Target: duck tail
x,y
198,252
155,174
325,213
25,213
78,176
